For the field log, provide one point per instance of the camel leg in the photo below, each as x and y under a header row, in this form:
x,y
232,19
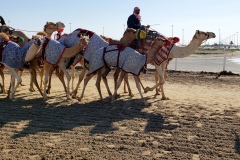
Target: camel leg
x,y
51,69
61,64
31,88
33,65
136,78
116,74
99,76
127,83
141,83
101,73
60,75
73,75
47,72
21,74
13,86
81,76
122,75
161,87
86,79
160,70
156,82
41,73
3,81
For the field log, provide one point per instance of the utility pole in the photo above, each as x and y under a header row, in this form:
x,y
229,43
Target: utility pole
x,y
182,37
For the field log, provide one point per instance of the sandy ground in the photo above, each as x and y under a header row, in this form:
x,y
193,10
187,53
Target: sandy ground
x,y
200,121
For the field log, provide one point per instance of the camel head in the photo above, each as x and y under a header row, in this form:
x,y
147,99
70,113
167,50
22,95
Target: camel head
x,y
37,39
83,40
201,36
51,27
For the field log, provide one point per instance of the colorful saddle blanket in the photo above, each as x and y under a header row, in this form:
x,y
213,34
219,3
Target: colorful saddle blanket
x,y
162,54
128,59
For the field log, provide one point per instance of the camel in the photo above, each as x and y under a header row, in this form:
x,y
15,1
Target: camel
x,y
49,28
56,53
128,60
178,52
13,58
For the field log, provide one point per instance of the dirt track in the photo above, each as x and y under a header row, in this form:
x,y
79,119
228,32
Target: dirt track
x,y
200,121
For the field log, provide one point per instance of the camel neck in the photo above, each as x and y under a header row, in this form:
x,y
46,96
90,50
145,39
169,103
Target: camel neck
x,y
181,52
151,54
125,42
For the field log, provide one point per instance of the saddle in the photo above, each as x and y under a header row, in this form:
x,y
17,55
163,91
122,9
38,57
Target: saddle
x,y
9,31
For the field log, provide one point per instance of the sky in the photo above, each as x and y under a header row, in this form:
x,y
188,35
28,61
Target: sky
x,y
178,18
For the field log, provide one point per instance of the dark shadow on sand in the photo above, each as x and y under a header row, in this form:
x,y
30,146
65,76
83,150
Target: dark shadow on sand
x,y
65,115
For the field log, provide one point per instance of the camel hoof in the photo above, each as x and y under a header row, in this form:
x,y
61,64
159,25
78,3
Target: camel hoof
x,y
104,100
79,99
48,91
45,98
74,96
31,89
165,98
22,84
125,91
131,95
145,103
157,93
146,89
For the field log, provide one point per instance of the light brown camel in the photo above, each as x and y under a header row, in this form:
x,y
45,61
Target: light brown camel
x,y
128,60
54,47
179,52
14,57
49,28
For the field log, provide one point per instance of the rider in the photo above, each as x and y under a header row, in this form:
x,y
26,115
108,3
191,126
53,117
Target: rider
x,y
2,21
134,22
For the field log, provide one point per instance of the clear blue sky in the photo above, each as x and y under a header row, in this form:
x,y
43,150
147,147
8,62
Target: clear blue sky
x,y
186,16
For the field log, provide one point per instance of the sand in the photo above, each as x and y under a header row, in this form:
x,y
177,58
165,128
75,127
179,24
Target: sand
x,y
200,121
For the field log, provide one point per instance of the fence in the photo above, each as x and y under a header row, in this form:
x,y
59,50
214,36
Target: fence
x,y
217,62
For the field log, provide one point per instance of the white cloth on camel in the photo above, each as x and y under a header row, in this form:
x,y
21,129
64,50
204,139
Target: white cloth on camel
x,y
13,55
129,59
95,42
54,51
